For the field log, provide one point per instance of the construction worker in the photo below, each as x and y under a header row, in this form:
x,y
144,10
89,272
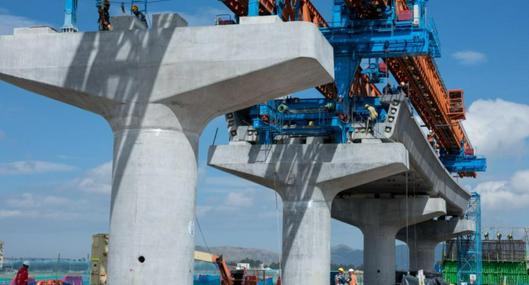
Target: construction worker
x,y
372,117
352,277
103,8
340,278
404,87
22,274
136,11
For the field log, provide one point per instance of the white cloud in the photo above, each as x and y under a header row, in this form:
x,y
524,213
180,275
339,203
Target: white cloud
x,y
203,210
30,201
239,199
8,22
229,182
469,57
505,195
9,214
51,207
520,182
96,180
498,127
33,167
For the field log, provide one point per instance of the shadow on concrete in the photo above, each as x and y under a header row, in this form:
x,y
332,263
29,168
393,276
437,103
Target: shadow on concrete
x,y
297,168
123,63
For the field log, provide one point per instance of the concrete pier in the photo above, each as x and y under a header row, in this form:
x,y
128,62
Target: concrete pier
x,y
380,220
423,238
158,88
308,177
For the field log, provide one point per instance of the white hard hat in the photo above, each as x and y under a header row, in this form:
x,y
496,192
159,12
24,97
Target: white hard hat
x,y
351,270
26,263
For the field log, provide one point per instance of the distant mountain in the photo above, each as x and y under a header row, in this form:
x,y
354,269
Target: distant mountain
x,y
340,254
343,254
236,254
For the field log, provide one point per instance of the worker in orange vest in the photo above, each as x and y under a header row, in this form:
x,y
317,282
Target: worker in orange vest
x,y
22,274
352,277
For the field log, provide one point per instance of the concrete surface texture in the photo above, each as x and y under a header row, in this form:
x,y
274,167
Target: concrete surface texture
x,y
424,237
425,163
380,220
308,177
158,88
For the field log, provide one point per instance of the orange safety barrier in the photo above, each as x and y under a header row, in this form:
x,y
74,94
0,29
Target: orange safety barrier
x,y
250,280
50,282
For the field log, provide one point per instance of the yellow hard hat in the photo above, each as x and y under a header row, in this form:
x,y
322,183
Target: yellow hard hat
x,y
135,8
341,269
366,105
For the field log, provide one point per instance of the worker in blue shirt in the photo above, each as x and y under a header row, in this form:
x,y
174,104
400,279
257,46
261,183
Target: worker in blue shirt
x,y
136,11
340,278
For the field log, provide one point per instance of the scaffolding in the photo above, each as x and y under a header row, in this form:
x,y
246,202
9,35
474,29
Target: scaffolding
x,y
469,265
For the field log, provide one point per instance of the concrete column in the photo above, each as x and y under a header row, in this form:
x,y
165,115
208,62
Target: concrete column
x,y
308,177
153,197
422,255
380,220
422,239
158,88
379,255
305,249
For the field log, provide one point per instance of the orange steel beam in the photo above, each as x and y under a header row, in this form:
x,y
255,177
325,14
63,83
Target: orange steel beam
x,y
429,96
240,7
308,11
362,87
311,14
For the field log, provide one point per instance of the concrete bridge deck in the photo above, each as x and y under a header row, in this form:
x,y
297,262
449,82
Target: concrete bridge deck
x,y
363,184
427,174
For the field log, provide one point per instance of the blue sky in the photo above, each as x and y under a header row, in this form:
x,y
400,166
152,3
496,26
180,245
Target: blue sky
x,y
55,159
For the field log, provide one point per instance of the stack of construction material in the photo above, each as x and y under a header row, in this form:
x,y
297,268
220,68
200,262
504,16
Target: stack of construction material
x,y
98,274
504,262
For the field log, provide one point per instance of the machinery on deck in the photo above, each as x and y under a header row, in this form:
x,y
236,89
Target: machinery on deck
x,y
225,273
70,12
372,39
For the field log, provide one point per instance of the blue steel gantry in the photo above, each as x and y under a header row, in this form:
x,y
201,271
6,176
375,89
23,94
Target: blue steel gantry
x,y
353,40
70,16
377,32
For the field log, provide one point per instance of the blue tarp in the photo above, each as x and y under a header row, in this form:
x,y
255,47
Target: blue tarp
x,y
268,281
206,280
215,280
